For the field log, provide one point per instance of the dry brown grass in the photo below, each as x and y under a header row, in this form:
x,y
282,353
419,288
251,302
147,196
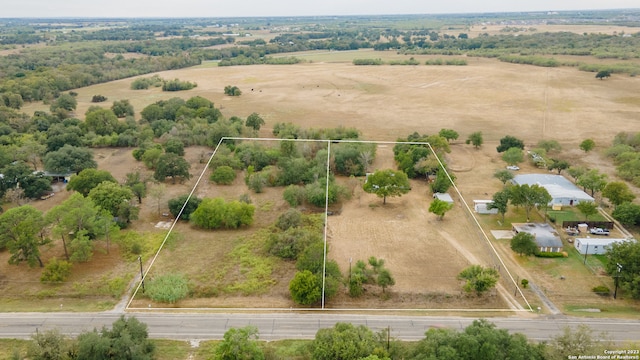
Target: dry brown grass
x,y
387,102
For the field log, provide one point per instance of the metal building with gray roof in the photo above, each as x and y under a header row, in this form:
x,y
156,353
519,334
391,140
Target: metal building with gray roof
x,y
562,191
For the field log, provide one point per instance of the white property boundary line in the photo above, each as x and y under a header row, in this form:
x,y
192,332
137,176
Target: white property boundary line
x,y
206,167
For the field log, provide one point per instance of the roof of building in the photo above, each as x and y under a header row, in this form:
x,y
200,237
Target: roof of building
x,y
600,241
444,197
545,235
557,185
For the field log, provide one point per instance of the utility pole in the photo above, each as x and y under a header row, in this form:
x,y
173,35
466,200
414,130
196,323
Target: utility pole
x,y
141,272
615,292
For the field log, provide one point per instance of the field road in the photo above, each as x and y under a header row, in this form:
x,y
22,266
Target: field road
x,y
277,326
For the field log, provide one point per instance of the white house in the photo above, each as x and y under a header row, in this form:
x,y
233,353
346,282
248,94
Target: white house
x,y
480,206
595,246
562,191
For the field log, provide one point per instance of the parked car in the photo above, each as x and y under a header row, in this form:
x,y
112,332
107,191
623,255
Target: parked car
x,y
599,231
513,167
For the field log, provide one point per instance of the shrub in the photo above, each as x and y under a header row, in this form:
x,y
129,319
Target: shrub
x,y
232,90
167,288
291,218
177,85
223,175
56,271
98,98
175,205
550,254
525,283
601,290
294,195
216,214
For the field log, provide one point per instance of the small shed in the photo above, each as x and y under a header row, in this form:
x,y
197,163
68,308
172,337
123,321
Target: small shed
x,y
480,206
443,197
595,246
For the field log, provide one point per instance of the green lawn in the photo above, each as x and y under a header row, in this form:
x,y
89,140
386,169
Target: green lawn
x,y
571,214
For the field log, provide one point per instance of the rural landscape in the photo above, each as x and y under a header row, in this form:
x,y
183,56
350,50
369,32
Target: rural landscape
x,y
340,164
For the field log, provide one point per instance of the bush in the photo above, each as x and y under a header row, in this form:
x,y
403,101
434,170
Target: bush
x,y
544,254
98,98
56,271
232,90
223,175
291,218
294,195
216,214
601,290
167,288
175,205
177,85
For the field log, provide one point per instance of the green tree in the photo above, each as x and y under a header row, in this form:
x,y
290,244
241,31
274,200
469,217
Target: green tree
x,y
137,184
31,151
558,165
343,341
593,181
167,288
478,279
618,193
627,213
529,196
513,156
101,121
122,108
524,244
503,175
475,139
239,344
254,121
89,178
69,159
174,146
576,172
388,182
440,207
587,208
580,340
442,182
216,213
151,157
64,102
56,271
479,341
113,198
509,142
549,145
305,289
49,345
627,254
20,229
603,74
500,202
128,339
176,204
171,165
449,134
587,145
385,279
223,175
232,90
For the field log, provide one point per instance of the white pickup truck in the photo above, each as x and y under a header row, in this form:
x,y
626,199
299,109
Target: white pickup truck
x,y
599,231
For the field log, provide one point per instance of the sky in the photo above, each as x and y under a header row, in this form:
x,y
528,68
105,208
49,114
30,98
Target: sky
x,y
251,8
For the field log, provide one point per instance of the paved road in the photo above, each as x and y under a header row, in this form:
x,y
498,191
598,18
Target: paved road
x,y
276,326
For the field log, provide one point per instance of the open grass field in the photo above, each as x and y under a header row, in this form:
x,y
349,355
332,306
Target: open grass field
x,y
384,103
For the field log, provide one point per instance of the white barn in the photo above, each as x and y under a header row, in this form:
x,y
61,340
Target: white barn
x,y
595,246
480,206
563,192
